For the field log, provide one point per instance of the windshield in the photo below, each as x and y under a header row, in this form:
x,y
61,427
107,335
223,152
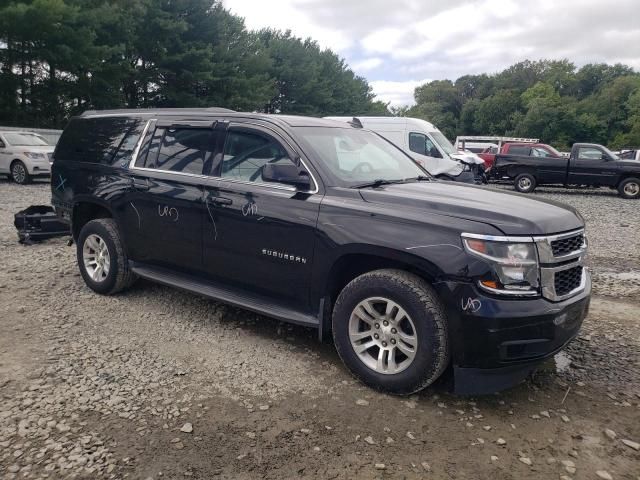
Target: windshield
x,y
610,153
25,139
444,142
355,156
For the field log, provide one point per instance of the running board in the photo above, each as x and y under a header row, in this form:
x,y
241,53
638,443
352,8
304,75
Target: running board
x,y
256,303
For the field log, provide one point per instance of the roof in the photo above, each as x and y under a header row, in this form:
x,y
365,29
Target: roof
x,y
289,120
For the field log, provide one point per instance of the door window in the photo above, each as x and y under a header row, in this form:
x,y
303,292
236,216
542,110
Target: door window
x,y
423,145
182,150
540,152
246,153
518,150
589,153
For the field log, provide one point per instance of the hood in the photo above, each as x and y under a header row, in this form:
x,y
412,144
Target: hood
x,y
511,213
468,157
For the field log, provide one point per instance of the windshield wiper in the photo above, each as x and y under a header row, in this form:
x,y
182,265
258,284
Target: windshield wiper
x,y
419,178
378,183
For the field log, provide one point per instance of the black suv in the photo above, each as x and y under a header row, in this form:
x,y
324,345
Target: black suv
x,y
327,225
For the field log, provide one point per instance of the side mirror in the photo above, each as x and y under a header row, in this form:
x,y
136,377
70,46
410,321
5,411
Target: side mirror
x,y
288,174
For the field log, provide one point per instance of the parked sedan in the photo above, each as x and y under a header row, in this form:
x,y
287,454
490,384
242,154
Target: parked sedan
x,y
24,155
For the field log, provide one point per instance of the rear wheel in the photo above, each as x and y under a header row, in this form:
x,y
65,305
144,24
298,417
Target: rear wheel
x,y
629,188
390,330
101,257
19,173
525,183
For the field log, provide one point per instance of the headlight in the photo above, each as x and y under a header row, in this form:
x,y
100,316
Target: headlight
x,y
514,264
35,156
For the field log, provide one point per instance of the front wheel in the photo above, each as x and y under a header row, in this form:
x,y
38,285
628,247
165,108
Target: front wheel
x,y
525,183
19,173
102,258
629,188
390,330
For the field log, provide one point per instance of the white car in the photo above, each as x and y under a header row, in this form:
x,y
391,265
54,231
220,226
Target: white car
x,y
24,155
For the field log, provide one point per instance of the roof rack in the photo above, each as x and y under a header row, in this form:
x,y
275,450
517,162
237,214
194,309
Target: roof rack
x,y
129,111
462,139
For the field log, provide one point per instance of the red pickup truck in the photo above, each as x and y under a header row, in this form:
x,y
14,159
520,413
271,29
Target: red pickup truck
x,y
525,149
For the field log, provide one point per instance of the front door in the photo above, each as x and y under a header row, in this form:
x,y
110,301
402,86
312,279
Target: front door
x,y
259,236
164,212
592,166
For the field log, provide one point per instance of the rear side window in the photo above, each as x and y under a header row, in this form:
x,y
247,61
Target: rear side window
x,y
182,150
103,140
519,150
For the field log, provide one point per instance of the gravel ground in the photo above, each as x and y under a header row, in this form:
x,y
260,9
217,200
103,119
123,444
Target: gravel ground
x,y
157,383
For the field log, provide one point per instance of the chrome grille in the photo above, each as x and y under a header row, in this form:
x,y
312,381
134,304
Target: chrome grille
x,y
567,245
566,281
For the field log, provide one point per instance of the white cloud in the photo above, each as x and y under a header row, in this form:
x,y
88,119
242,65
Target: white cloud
x,y
396,92
366,64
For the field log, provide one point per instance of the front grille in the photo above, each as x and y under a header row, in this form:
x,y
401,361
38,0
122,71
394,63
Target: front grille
x,y
567,245
567,280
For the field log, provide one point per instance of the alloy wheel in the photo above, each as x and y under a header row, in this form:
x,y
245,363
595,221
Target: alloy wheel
x,y
96,258
383,335
19,173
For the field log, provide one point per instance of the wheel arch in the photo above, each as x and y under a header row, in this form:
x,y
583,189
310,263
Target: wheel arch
x,y
86,210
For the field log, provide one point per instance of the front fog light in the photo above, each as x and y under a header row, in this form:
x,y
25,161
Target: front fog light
x,y
514,264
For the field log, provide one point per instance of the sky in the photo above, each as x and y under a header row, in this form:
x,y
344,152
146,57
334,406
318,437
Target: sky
x,y
400,44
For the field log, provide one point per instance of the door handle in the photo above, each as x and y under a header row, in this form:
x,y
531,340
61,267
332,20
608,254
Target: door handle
x,y
139,185
220,201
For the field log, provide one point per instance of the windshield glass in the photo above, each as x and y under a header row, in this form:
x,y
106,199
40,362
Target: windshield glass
x,y
355,156
25,139
444,142
610,153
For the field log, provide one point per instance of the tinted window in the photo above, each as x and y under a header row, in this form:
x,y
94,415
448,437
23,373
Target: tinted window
x,y
97,140
519,150
418,143
246,153
180,150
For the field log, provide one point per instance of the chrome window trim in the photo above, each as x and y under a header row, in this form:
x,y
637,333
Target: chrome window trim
x,y
283,187
511,293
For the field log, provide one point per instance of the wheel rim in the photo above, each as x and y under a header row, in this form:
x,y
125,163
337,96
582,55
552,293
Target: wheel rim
x,y
19,173
524,183
96,258
632,189
383,335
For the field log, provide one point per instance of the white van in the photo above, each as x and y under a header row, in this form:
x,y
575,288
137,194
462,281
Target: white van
x,y
423,142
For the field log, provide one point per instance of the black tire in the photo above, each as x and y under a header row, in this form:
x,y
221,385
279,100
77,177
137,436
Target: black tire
x,y
421,303
629,188
19,173
525,183
119,276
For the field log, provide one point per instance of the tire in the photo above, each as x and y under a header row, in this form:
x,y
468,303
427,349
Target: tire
x,y
19,173
424,316
114,275
525,183
629,188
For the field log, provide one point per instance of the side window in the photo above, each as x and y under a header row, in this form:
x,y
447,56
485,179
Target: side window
x,y
539,152
245,153
418,143
2,145
519,150
98,140
179,150
589,153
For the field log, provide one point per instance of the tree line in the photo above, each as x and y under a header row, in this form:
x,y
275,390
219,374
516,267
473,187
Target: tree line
x,y
548,99
61,57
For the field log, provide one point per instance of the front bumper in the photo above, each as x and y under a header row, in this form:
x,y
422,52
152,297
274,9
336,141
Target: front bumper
x,y
39,169
496,342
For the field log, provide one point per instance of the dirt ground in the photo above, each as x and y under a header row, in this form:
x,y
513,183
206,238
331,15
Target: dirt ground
x,y
157,383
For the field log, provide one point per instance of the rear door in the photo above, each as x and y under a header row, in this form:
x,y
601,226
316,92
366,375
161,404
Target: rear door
x,y
589,165
259,236
165,209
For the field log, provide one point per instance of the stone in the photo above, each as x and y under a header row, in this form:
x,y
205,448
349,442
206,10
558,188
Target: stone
x,y
362,402
250,435
264,407
494,458
501,441
380,466
631,444
604,475
187,428
526,461
565,419
370,440
411,436
426,466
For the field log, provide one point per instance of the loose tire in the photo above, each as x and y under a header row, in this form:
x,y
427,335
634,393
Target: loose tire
x,y
525,183
102,258
629,188
394,312
19,173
